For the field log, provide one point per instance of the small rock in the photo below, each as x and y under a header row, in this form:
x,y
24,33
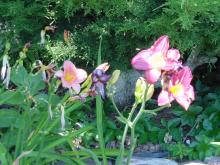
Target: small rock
x,y
146,147
193,163
213,160
144,154
91,162
157,147
152,148
151,161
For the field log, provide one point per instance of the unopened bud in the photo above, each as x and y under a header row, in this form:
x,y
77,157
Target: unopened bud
x,y
141,88
114,77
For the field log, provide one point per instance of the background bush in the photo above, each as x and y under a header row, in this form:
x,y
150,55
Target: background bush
x,y
125,25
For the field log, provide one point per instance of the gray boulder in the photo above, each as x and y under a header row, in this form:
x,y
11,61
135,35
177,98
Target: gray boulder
x,y
124,88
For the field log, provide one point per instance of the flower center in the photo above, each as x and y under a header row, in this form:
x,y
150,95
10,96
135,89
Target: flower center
x,y
157,60
176,89
69,77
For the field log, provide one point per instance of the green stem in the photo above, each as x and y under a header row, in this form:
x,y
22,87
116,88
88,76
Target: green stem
x,y
22,132
133,139
122,147
157,109
116,108
99,108
137,117
119,113
133,144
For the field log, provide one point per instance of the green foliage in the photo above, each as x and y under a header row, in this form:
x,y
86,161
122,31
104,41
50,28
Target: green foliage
x,y
180,151
22,17
30,121
125,25
59,51
200,124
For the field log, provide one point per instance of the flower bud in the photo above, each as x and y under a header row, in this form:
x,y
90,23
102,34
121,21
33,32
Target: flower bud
x,y
141,88
114,77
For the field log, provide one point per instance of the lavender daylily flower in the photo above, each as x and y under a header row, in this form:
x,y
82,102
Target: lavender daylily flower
x,y
100,78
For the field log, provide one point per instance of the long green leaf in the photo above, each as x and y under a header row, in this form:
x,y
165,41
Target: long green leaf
x,y
3,152
99,109
64,139
8,117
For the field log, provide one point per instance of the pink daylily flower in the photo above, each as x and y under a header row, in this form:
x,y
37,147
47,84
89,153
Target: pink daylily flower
x,y
157,58
152,60
172,60
178,89
71,76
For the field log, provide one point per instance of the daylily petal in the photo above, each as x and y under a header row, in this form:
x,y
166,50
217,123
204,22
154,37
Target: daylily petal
x,y
164,98
153,57
7,78
98,73
69,67
190,93
44,76
100,87
4,66
65,83
161,45
140,61
76,87
156,60
173,54
183,101
152,75
177,90
81,75
172,65
59,73
171,59
104,78
184,76
95,79
105,66
71,76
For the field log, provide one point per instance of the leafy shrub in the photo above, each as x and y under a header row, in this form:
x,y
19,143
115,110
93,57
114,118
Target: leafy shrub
x,y
124,25
199,125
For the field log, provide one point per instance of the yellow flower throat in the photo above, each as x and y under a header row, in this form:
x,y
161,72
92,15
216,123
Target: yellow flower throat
x,y
176,89
69,77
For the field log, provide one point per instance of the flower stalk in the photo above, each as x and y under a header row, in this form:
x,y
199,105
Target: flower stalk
x,y
99,113
132,123
122,146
